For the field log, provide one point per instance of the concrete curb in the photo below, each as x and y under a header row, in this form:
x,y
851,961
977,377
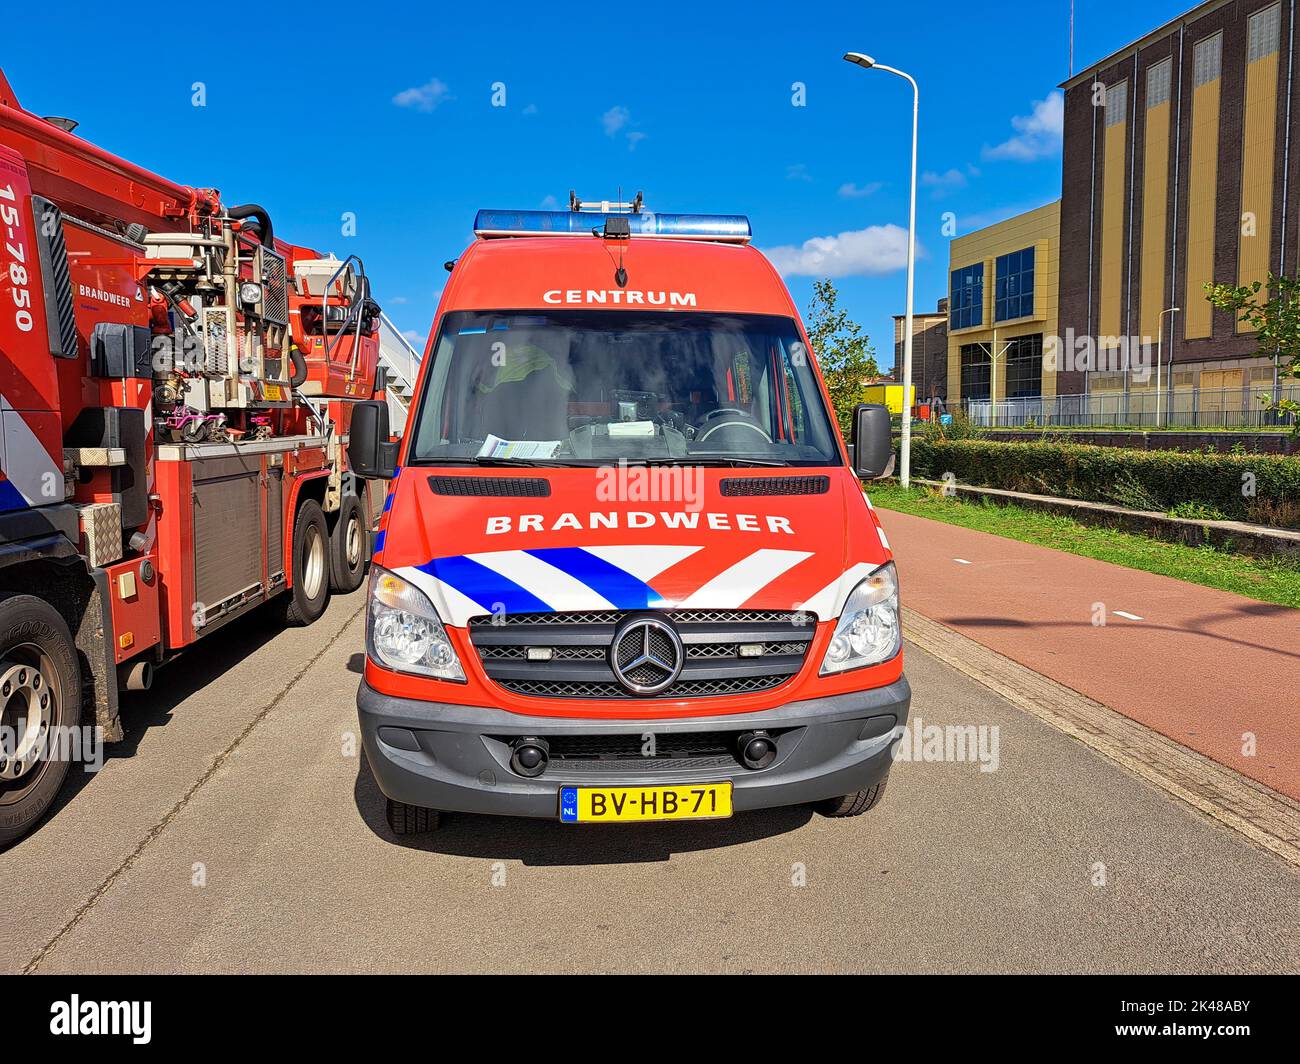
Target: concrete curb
x,y
1263,815
1259,541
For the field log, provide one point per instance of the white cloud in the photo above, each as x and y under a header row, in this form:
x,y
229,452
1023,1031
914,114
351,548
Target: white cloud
x,y
549,203
615,119
849,190
875,250
1038,134
619,120
797,172
396,301
424,97
413,337
946,183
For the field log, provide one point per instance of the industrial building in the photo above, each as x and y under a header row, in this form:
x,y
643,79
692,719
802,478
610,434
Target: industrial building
x,y
1179,169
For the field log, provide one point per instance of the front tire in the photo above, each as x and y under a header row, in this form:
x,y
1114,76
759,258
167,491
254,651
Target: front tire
x,y
349,545
410,819
306,599
40,691
852,804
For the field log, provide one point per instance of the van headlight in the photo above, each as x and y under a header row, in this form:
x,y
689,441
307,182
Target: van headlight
x,y
403,631
869,630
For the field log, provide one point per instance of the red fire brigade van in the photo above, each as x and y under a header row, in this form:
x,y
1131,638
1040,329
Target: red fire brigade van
x,y
626,570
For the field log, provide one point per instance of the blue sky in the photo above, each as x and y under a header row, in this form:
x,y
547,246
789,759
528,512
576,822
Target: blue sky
x,y
385,110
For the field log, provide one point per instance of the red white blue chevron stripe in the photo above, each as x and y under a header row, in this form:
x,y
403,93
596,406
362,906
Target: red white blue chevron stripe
x,y
555,579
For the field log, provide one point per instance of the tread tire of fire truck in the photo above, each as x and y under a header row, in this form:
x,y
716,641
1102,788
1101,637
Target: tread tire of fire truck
x,y
348,547
411,819
852,804
32,632
302,604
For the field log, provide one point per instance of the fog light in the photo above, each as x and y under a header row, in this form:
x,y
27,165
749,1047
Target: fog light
x,y
529,757
757,749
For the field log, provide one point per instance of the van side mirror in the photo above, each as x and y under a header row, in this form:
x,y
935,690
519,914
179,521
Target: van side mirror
x,y
370,452
873,441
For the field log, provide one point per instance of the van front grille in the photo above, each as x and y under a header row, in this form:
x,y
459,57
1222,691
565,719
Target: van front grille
x,y
566,655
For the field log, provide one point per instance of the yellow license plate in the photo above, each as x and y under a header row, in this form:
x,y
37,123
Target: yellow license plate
x,y
686,801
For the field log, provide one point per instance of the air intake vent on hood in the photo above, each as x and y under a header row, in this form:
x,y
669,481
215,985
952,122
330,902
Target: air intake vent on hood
x,y
776,485
514,487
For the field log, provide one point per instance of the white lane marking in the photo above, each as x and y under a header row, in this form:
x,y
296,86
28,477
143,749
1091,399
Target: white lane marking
x,y
961,561
746,578
553,586
1129,616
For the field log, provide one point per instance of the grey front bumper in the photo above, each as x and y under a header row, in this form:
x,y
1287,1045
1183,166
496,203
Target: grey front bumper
x,y
453,757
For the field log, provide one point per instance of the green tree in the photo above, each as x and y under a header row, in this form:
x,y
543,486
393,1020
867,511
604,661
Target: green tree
x,y
1272,310
842,349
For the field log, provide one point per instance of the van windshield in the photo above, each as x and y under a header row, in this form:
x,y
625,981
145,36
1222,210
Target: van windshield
x,y
579,387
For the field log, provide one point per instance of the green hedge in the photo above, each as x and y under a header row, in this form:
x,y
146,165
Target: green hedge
x,y
1144,480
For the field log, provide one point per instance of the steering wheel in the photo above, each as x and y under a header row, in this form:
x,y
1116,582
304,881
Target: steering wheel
x,y
746,422
724,410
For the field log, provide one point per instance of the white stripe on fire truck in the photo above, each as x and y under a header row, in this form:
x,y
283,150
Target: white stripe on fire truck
x,y
829,601
644,563
544,581
734,586
28,465
453,607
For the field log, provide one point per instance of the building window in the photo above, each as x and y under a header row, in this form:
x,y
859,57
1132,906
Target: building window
x,y
1158,83
1206,58
1116,103
1263,33
1024,367
976,373
1014,286
967,297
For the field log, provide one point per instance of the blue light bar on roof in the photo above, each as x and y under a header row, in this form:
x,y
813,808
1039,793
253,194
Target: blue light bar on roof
x,y
727,228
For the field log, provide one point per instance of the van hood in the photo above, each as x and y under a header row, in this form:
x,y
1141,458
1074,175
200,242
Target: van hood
x,y
560,540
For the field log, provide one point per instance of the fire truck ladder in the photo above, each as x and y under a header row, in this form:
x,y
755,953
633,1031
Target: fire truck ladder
x,y
401,363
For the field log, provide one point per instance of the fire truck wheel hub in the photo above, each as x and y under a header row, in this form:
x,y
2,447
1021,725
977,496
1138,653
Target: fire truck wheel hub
x,y
28,699
313,572
353,542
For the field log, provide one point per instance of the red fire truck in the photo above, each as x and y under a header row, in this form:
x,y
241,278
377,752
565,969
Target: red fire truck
x,y
176,389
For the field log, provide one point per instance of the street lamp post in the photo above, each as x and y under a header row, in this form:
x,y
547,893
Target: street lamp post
x,y
905,446
1160,350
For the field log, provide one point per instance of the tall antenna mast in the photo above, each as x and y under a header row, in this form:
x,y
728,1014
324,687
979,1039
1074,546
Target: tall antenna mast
x,y
1071,38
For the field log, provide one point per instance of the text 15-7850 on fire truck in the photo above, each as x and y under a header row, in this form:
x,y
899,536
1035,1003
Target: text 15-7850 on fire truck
x,y
176,389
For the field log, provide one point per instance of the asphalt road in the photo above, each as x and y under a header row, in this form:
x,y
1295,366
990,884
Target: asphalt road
x,y
241,831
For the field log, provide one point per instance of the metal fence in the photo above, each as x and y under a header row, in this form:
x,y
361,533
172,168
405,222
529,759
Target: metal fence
x,y
1187,407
